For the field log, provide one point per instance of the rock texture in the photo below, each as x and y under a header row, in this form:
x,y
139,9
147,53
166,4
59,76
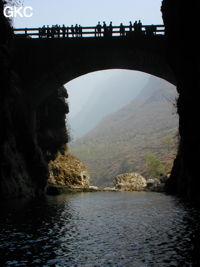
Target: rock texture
x,y
23,171
130,182
68,171
32,127
183,56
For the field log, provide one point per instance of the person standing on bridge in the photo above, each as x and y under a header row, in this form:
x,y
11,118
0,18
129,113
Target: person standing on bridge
x,y
98,29
48,32
110,29
139,26
43,31
80,30
72,30
58,30
130,26
76,30
63,31
52,31
67,32
135,26
121,29
105,29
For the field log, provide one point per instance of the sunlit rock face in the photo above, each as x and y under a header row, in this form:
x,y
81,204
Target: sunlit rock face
x,y
66,170
183,56
130,182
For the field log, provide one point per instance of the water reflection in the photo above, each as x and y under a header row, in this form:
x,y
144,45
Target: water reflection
x,y
100,229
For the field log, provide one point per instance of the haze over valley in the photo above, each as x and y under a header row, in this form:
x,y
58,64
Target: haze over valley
x,y
119,137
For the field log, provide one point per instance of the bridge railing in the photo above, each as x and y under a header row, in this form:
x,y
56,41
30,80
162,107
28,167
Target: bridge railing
x,y
74,32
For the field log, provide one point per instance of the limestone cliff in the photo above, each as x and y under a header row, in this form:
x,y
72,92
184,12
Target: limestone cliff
x,y
20,155
183,56
32,130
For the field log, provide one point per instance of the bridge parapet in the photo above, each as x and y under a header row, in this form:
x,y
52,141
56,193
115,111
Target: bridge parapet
x,y
92,32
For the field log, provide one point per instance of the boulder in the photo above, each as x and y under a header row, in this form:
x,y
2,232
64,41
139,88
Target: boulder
x,y
130,182
156,185
66,170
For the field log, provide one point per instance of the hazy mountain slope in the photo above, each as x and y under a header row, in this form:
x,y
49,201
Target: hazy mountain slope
x,y
122,140
107,97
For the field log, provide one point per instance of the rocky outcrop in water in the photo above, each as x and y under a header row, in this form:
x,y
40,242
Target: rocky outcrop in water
x,y
130,182
66,170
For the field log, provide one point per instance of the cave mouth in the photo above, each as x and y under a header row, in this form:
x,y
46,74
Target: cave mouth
x,y
123,121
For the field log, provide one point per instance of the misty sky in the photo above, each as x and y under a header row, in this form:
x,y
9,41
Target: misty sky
x,y
88,13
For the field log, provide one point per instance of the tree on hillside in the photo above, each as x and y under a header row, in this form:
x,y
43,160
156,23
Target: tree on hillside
x,y
155,168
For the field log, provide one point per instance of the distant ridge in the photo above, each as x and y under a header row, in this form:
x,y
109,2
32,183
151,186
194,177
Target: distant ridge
x,y
108,96
120,142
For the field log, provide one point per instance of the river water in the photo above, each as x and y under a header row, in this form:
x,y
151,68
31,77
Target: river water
x,y
134,229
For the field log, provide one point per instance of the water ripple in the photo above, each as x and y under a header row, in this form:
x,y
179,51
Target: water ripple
x,y
100,229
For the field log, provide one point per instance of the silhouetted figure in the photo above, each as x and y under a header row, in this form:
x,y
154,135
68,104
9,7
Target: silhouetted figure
x,y
76,28
135,26
122,29
67,31
80,30
48,32
58,31
43,31
63,31
53,31
72,30
98,30
105,29
110,29
139,25
130,26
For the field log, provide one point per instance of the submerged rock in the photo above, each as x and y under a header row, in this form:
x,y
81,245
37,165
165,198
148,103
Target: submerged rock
x,y
66,170
130,182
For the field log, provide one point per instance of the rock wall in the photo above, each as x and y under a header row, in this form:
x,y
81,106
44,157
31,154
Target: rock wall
x,y
15,179
28,139
183,56
51,124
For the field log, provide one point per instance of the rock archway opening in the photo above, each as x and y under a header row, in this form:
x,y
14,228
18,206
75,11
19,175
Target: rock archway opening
x,y
123,121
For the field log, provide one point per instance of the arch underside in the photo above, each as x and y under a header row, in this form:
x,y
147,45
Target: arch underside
x,y
50,63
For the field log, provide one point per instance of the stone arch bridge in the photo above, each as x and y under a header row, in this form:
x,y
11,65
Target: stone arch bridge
x,y
48,62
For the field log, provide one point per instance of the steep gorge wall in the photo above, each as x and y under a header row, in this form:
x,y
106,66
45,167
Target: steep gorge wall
x,y
183,56
26,130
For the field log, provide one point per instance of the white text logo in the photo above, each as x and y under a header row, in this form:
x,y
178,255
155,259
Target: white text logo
x,y
22,12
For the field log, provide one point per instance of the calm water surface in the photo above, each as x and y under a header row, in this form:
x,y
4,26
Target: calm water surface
x,y
100,229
